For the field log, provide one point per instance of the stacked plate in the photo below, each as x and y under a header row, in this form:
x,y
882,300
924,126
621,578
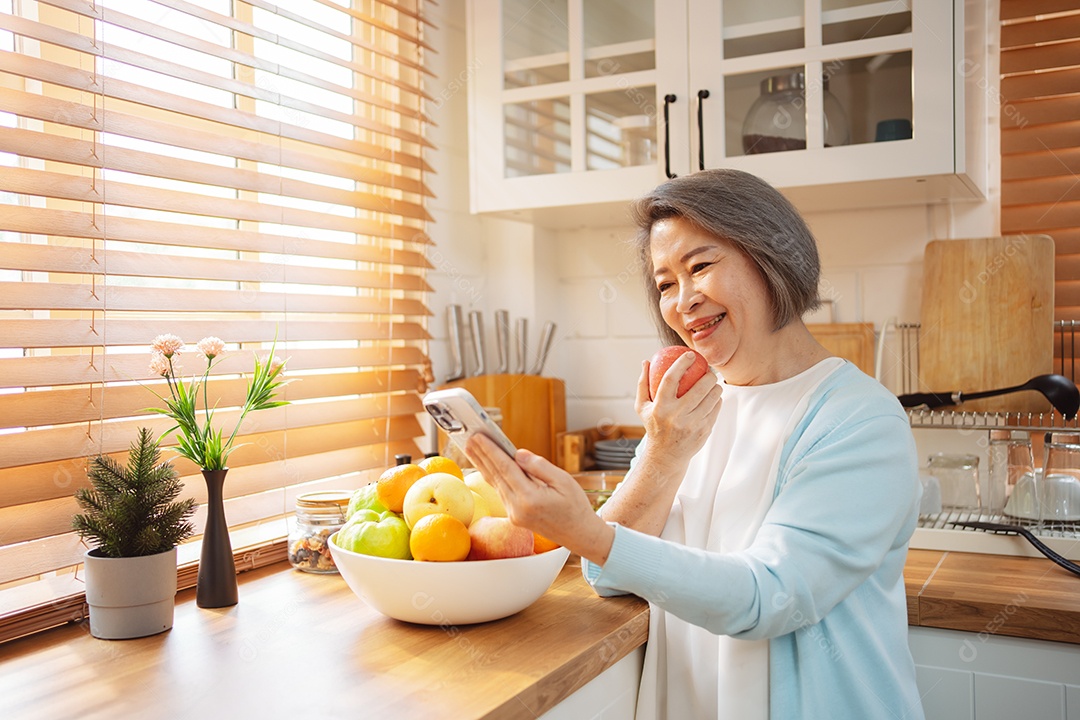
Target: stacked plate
x,y
615,454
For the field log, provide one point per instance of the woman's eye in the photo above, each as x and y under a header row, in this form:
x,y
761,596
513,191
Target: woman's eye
x,y
696,267
663,286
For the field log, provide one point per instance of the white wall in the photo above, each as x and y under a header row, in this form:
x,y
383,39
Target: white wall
x,y
587,280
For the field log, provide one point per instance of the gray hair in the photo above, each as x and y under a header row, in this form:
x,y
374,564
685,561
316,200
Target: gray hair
x,y
754,217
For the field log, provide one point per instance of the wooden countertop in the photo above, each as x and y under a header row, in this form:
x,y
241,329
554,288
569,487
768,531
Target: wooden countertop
x,y
303,645
996,594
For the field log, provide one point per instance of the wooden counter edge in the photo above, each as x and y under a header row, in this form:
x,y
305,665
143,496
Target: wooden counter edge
x,y
993,594
560,684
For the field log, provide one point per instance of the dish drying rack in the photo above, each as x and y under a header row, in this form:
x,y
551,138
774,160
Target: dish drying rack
x,y
935,532
907,337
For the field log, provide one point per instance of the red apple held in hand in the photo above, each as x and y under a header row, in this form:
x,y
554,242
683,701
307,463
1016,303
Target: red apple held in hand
x,y
663,359
497,537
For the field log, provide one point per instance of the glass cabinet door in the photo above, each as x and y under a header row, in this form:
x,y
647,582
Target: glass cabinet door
x,y
812,77
578,88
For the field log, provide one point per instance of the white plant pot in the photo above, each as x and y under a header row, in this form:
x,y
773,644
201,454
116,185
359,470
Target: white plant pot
x,y
130,597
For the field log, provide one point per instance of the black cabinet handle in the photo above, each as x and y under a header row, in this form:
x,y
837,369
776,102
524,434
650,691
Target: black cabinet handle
x,y
702,94
668,99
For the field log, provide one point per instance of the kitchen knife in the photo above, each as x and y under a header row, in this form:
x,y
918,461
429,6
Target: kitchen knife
x,y
522,335
546,336
502,340
476,322
457,348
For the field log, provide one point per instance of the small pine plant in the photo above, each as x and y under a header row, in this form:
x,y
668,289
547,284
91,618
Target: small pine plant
x,y
131,511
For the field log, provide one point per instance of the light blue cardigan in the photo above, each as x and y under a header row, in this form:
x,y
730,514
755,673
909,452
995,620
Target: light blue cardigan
x,y
823,579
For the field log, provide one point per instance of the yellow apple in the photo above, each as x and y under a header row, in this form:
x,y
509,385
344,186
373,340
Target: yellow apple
x,y
481,487
438,493
480,507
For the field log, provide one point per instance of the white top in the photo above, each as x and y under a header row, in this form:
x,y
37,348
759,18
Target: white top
x,y
720,505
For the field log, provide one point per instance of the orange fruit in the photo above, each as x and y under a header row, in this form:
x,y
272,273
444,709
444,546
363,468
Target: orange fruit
x,y
439,538
395,482
541,544
438,463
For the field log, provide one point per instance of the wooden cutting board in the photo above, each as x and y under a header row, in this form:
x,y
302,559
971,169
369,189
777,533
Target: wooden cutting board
x,y
987,319
533,407
851,341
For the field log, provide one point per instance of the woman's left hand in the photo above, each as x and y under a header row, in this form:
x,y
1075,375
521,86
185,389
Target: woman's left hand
x,y
544,498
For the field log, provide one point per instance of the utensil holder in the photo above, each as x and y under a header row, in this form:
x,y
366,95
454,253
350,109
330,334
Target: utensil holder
x,y
533,407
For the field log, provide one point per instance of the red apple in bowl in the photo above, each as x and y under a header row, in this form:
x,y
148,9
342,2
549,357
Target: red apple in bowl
x,y
496,537
663,359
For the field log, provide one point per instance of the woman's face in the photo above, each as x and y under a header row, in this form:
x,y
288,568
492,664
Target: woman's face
x,y
711,294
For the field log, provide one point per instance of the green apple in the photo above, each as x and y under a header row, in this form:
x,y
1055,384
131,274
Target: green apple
x,y
371,533
365,498
479,485
438,493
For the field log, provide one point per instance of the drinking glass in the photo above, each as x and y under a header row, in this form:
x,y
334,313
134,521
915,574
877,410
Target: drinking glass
x,y
958,476
1059,497
1010,460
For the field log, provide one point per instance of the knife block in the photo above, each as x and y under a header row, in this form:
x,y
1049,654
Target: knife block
x,y
533,408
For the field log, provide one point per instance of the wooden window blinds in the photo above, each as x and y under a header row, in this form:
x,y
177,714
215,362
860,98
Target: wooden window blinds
x,y
236,168
1040,133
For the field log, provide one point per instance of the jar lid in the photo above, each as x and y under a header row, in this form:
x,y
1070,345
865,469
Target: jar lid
x,y
323,499
788,81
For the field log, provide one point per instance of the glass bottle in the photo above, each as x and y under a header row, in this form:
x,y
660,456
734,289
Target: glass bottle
x,y
1010,460
777,120
318,516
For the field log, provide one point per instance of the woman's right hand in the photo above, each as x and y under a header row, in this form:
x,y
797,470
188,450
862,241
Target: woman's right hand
x,y
677,427
543,497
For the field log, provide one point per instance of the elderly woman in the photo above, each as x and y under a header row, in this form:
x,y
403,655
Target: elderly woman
x,y
766,516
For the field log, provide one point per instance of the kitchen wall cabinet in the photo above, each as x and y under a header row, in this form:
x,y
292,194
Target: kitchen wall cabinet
x,y
981,676
579,102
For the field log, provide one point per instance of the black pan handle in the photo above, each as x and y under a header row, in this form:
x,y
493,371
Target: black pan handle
x,y
668,99
702,94
930,400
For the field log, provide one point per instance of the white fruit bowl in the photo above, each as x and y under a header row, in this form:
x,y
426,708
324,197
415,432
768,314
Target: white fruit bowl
x,y
448,593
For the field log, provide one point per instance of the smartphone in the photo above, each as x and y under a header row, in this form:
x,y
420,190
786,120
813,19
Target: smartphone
x,y
458,413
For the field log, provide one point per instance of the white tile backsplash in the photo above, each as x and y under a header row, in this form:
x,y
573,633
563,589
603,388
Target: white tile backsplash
x,y
583,313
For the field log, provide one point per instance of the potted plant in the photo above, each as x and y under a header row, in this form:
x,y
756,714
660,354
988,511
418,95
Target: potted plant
x,y
134,521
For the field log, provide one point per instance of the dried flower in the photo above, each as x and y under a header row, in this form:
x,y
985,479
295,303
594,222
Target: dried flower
x,y
159,364
210,347
204,445
272,361
167,345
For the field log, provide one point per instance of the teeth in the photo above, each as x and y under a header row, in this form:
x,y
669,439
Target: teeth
x,y
708,325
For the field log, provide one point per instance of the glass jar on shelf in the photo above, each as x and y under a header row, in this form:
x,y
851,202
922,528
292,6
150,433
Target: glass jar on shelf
x,y
318,516
776,122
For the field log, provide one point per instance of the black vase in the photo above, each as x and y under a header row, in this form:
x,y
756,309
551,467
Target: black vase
x,y
216,586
